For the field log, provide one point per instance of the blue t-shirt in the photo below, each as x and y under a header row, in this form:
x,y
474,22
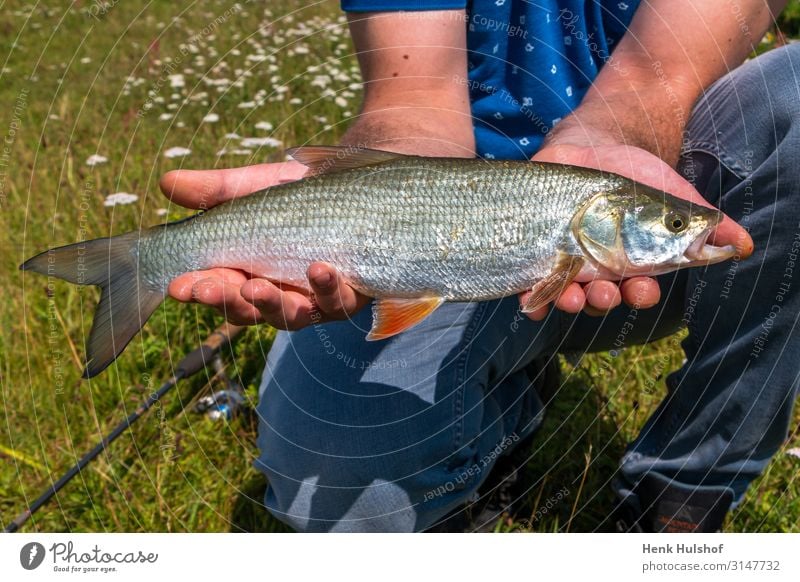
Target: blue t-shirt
x,y
530,62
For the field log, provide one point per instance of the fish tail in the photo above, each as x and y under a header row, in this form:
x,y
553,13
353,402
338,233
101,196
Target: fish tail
x,y
126,301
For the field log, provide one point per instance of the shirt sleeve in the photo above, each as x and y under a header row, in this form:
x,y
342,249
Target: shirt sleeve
x,y
392,5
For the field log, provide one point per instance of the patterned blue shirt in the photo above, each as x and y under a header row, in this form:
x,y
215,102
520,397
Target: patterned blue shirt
x,y
530,62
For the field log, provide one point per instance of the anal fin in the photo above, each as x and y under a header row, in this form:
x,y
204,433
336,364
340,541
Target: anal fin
x,y
392,315
548,289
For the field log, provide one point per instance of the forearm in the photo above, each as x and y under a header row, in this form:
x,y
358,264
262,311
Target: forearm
x,y
672,52
412,102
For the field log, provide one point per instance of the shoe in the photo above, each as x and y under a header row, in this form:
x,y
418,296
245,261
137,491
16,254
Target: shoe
x,y
674,508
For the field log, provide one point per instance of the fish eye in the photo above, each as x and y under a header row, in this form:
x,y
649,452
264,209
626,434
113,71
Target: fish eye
x,y
675,222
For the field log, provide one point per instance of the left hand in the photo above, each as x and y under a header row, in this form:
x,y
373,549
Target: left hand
x,y
603,152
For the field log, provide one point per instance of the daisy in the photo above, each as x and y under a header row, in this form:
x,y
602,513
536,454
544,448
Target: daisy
x,y
120,198
96,160
177,152
270,142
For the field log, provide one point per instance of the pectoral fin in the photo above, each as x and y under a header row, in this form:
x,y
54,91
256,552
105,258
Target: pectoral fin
x,y
548,289
391,315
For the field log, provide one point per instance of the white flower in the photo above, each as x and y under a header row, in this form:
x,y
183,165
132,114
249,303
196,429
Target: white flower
x,y
270,142
176,81
247,105
161,212
165,116
232,136
321,81
177,152
211,118
233,152
96,160
795,452
86,60
341,102
120,198
265,125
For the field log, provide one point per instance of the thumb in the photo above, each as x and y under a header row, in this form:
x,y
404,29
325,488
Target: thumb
x,y
207,188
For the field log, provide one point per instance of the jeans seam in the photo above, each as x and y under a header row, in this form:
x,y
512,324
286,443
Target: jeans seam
x,y
465,347
717,152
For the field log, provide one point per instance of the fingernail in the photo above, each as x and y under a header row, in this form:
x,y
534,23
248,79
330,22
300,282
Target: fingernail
x,y
323,279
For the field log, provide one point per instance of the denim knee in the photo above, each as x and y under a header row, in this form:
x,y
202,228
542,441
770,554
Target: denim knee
x,y
392,436
749,113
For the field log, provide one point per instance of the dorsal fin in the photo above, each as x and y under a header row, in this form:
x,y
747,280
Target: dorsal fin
x,y
326,159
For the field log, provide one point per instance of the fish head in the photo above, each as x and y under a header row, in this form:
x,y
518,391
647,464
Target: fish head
x,y
638,230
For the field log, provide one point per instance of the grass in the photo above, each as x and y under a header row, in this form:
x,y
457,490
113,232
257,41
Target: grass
x,y
74,83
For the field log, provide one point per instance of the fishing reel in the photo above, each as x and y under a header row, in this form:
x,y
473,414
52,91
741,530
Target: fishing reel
x,y
222,404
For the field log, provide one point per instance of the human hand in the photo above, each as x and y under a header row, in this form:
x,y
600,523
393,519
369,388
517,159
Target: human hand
x,y
594,150
242,298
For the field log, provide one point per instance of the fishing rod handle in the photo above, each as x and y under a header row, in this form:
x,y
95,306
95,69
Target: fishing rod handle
x,y
197,359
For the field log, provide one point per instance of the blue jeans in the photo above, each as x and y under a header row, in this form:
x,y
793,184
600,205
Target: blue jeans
x,y
393,435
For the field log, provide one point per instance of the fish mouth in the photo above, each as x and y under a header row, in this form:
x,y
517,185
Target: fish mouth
x,y
702,253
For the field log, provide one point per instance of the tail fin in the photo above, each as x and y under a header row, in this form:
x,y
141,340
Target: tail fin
x,y
126,301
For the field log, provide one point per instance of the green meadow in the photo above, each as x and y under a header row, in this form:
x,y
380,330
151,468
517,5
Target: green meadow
x,y
103,98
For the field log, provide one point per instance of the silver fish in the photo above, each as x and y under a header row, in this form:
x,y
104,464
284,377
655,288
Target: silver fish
x,y
411,232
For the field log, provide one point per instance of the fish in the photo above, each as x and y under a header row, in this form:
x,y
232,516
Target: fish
x,y
411,232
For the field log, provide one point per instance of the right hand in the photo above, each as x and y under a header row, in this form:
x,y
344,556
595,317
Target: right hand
x,y
242,298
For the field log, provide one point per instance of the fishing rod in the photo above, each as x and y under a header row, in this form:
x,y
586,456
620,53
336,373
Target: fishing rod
x,y
192,363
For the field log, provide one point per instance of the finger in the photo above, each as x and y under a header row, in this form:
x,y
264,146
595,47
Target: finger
x,y
572,299
281,309
334,297
180,287
602,295
641,292
730,233
207,188
225,297
537,315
